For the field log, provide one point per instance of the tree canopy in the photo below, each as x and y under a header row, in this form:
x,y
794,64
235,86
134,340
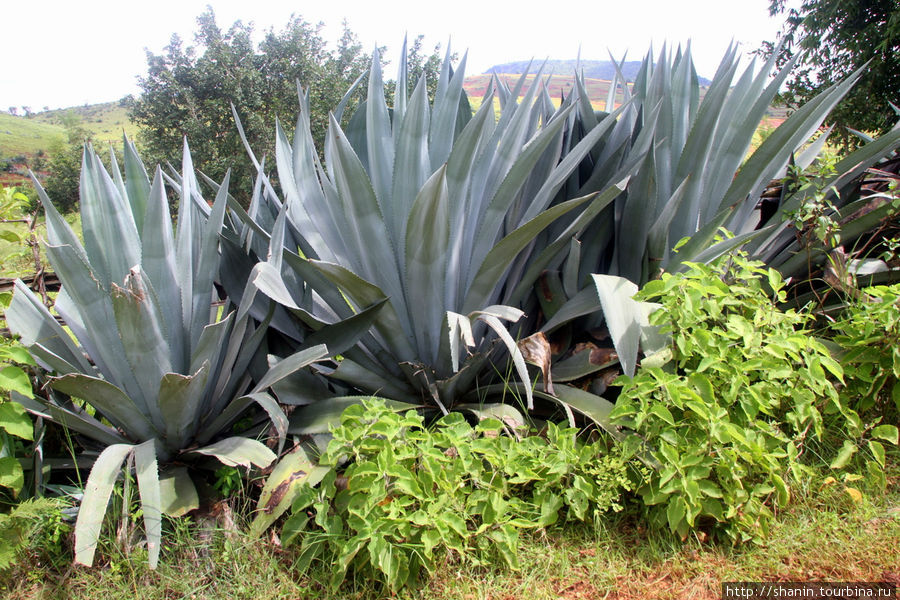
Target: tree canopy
x,y
836,37
188,91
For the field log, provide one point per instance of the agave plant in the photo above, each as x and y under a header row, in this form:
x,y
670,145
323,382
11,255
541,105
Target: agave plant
x,y
842,199
428,213
157,378
697,178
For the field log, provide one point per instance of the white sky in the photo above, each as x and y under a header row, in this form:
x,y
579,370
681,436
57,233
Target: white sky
x,y
61,53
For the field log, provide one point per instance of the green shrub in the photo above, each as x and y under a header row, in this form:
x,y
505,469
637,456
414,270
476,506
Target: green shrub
x,y
411,494
38,518
747,390
868,332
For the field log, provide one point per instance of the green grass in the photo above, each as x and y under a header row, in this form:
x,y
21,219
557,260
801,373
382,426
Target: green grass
x,y
21,137
106,121
25,136
823,536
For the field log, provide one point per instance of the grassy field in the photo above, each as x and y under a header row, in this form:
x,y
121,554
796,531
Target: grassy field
x,y
25,136
105,121
823,536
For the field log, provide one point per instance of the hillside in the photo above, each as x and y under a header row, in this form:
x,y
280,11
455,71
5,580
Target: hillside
x,y
28,135
106,121
557,85
593,69
21,136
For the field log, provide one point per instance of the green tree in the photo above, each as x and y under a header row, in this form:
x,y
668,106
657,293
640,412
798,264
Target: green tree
x,y
188,91
835,38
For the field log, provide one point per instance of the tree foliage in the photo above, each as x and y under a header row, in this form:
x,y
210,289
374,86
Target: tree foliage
x,y
837,37
188,91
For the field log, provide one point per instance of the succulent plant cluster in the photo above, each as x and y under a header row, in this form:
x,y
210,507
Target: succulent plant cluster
x,y
414,257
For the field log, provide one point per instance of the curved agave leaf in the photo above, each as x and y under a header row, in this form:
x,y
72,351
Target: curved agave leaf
x,y
180,401
321,417
427,240
238,451
281,487
625,318
178,496
29,319
72,418
97,490
111,401
151,497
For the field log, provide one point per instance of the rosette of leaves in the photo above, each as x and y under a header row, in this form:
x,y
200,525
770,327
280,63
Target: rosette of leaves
x,y
429,213
158,378
698,176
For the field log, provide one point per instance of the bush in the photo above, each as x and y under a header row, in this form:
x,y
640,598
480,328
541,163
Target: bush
x,y
411,494
868,333
747,390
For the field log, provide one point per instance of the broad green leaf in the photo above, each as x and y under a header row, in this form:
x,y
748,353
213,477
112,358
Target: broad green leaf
x,y
15,421
12,476
888,433
783,494
675,512
844,455
14,378
877,451
505,413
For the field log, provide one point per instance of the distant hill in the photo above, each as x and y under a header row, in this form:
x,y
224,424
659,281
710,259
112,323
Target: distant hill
x,y
28,135
559,85
593,69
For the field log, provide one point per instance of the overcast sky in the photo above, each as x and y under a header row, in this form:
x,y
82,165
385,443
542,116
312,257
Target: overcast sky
x,y
64,53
